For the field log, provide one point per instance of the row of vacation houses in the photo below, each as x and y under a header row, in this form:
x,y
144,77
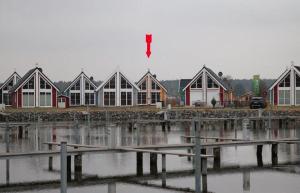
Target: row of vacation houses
x,y
35,89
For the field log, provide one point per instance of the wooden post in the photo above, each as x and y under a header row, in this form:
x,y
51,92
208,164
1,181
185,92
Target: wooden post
x,y
163,169
225,124
153,163
274,153
259,155
50,161
280,123
63,167
69,165
197,157
189,150
78,167
204,174
217,157
20,132
139,163
7,133
163,126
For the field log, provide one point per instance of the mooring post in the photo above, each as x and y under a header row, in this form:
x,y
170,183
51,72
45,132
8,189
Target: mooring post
x,y
197,157
20,132
78,167
259,155
217,157
50,161
163,170
69,174
7,133
235,128
225,124
189,150
274,153
204,174
153,163
139,163
63,167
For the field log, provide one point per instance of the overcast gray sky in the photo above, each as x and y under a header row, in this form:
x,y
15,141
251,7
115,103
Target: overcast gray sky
x,y
238,37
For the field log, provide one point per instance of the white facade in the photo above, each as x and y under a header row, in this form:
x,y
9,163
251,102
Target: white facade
x,y
5,97
81,91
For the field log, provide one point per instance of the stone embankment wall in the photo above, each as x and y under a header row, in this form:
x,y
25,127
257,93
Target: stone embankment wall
x,y
132,115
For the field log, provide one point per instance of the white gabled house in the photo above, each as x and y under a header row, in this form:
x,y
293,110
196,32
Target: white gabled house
x,y
5,97
285,91
205,86
81,91
117,90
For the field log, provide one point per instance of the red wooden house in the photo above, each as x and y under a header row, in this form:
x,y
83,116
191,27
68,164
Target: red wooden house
x,y
34,89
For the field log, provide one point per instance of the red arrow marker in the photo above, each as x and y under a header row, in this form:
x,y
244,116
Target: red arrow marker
x,y
148,41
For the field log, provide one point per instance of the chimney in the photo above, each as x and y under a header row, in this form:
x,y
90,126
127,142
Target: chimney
x,y
154,75
91,78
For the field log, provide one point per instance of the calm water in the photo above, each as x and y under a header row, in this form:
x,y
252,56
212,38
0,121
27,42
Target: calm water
x,y
272,179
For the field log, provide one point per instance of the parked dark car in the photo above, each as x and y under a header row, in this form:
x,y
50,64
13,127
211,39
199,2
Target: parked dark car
x,y
257,102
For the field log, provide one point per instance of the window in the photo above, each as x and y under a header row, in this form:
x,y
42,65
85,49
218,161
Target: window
x,y
155,86
45,99
9,85
29,84
284,97
285,82
6,99
88,86
197,83
143,85
155,97
111,84
124,83
126,98
297,80
75,99
211,83
28,99
76,86
89,98
142,98
109,98
44,84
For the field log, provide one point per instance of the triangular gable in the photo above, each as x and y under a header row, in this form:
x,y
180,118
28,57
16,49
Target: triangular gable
x,y
282,76
28,76
9,78
212,76
115,73
153,78
77,78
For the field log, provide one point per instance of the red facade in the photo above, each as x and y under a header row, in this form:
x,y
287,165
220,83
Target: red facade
x,y
221,95
54,97
187,96
19,97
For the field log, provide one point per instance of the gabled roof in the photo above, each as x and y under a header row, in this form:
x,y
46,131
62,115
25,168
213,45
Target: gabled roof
x,y
115,72
70,84
153,78
28,75
213,76
296,68
9,78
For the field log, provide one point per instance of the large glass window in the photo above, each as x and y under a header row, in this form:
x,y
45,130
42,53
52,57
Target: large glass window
x,y
155,86
89,98
9,85
126,98
28,99
44,84
6,99
75,99
109,98
155,97
211,83
285,82
297,80
197,83
284,97
143,85
125,83
45,99
29,84
111,83
76,86
88,86
142,98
